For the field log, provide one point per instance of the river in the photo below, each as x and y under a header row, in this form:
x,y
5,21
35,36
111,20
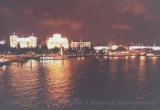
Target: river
x,y
81,84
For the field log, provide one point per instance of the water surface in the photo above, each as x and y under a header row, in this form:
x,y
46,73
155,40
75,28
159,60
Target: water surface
x,y
81,84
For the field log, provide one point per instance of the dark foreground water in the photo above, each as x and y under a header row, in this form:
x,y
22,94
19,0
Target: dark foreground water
x,y
81,84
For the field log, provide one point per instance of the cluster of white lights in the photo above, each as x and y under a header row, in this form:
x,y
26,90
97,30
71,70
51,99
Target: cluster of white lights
x,y
57,41
26,42
144,47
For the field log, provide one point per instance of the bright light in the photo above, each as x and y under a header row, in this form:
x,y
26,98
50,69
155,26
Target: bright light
x,y
142,57
126,57
27,42
57,41
133,56
98,48
2,42
80,44
144,47
114,47
156,48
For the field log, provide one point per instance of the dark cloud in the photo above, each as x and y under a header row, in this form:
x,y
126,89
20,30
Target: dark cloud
x,y
137,8
4,11
51,22
119,20
121,27
27,12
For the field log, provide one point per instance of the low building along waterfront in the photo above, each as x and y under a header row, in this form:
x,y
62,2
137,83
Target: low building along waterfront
x,y
23,42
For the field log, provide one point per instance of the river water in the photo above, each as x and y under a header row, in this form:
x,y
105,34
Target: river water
x,y
81,84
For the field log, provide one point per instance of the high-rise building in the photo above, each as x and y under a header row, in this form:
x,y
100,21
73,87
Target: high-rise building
x,y
21,42
57,41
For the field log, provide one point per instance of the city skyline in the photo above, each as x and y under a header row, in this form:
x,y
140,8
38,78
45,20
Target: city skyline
x,y
104,42
122,21
79,54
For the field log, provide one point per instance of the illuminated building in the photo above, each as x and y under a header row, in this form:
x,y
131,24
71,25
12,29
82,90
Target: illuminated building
x,y
21,42
114,47
155,48
2,42
80,44
57,41
101,48
2,46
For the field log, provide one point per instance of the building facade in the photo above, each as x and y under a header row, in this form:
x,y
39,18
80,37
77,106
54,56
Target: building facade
x,y
80,44
155,48
21,42
2,42
57,41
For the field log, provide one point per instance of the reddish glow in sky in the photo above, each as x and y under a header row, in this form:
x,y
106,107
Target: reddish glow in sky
x,y
100,20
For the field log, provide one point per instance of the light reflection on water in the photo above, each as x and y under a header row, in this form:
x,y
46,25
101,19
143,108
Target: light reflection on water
x,y
47,85
59,81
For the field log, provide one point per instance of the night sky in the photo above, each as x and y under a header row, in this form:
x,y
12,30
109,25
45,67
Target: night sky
x,y
94,20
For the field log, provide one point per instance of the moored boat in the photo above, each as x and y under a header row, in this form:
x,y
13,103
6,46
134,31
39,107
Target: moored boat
x,y
59,56
51,57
